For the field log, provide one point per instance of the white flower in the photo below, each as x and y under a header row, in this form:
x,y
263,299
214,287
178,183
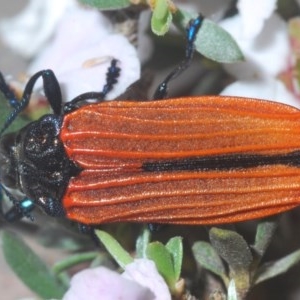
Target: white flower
x,y
27,32
81,51
266,54
82,46
263,38
254,16
268,88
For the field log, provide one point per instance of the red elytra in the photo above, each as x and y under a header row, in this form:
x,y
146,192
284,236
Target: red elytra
x,y
116,141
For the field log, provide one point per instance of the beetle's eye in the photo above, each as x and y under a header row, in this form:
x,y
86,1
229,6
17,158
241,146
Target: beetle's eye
x,y
39,138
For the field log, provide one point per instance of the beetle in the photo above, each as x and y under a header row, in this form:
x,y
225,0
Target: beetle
x,y
191,160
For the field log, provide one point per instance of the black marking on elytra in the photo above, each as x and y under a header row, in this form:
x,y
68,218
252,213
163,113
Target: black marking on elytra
x,y
224,162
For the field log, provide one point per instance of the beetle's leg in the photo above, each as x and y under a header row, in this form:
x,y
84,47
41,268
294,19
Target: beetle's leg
x,y
50,206
89,230
86,229
191,32
52,92
112,75
154,227
20,208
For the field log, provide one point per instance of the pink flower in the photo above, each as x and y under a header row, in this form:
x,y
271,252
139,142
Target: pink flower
x,y
144,272
140,281
102,283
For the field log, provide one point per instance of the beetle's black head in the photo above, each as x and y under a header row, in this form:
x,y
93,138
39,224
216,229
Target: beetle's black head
x,y
33,161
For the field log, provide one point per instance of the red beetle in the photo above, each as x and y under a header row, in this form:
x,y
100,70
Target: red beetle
x,y
200,160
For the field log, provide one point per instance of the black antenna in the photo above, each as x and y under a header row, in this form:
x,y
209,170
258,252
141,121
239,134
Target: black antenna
x,y
191,32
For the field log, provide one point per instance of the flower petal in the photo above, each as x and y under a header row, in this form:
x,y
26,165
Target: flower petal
x,y
254,16
102,283
76,79
80,60
79,30
27,32
266,55
269,89
145,273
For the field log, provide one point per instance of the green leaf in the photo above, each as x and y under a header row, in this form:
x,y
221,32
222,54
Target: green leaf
x,y
6,110
212,41
270,270
175,247
157,252
161,17
142,243
106,4
120,255
208,257
30,268
74,260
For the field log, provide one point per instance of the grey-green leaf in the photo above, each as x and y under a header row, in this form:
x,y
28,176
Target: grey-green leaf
x,y
217,44
106,4
142,243
270,270
30,268
235,251
208,257
212,41
264,234
232,248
